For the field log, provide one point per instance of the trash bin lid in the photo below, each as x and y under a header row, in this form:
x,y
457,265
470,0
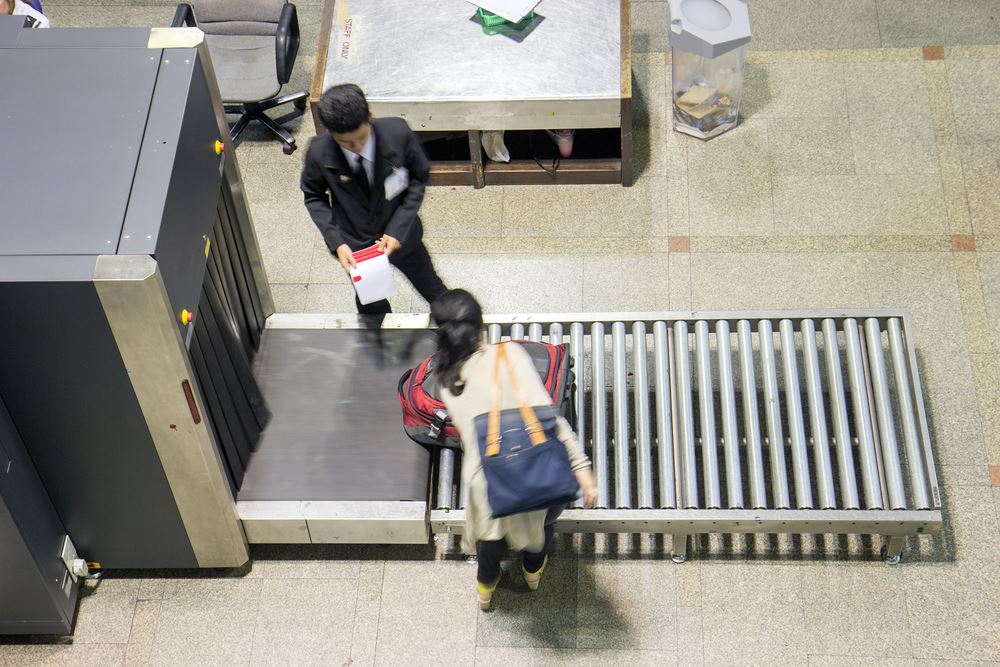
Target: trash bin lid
x,y
709,28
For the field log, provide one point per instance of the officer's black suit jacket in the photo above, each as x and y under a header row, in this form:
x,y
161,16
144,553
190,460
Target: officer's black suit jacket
x,y
336,203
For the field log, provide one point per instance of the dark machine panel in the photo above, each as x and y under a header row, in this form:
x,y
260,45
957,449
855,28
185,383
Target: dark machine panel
x,y
328,388
92,134
178,174
37,595
67,387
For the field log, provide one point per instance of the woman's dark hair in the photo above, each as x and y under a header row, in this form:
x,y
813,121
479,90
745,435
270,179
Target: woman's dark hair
x,y
343,108
460,324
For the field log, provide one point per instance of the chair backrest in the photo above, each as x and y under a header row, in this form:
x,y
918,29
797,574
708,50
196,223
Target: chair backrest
x,y
238,17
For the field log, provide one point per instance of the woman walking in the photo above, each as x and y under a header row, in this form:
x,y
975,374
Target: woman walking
x,y
465,368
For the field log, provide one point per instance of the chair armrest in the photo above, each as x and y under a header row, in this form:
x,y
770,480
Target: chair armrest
x,y
286,43
184,16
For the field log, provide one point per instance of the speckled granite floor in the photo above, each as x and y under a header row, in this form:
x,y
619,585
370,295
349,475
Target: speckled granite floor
x,y
865,174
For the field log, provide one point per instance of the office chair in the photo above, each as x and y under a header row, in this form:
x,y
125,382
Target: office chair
x,y
253,44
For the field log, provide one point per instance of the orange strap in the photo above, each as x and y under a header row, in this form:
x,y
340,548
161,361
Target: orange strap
x,y
531,423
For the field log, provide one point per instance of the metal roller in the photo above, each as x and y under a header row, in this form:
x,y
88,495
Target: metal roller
x,y
685,448
796,422
643,444
706,410
841,425
576,338
911,437
817,417
622,439
772,409
862,417
598,393
493,334
446,478
517,331
555,333
751,417
664,428
535,332
893,470
730,430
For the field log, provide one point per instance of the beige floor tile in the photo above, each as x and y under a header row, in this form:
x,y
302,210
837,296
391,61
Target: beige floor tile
x,y
845,611
804,91
754,635
289,298
989,271
106,611
649,26
949,155
596,657
894,147
626,282
974,86
287,251
462,212
626,604
779,280
967,475
902,204
679,281
524,284
308,561
304,622
817,146
144,624
922,22
207,621
580,210
940,633
446,636
956,429
68,655
812,24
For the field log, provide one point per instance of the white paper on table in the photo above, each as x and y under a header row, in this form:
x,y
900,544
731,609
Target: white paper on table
x,y
372,279
512,10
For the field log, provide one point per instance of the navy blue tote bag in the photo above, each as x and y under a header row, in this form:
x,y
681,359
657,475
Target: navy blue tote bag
x,y
526,466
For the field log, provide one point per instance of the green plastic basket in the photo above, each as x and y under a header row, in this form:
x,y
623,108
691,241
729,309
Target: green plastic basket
x,y
491,20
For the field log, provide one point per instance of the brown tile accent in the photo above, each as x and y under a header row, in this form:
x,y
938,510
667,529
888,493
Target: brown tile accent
x,y
678,244
666,57
963,243
933,53
995,475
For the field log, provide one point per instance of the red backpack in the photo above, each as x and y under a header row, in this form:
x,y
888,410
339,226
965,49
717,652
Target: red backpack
x,y
425,419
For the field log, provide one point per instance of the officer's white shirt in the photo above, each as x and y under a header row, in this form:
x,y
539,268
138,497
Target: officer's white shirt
x,y
368,153
24,9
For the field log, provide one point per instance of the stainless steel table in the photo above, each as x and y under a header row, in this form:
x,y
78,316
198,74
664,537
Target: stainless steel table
x,y
431,64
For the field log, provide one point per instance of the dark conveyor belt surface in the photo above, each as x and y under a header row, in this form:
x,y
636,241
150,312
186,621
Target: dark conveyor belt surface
x,y
336,433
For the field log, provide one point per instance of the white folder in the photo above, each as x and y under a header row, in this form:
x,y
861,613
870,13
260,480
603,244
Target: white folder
x,y
372,276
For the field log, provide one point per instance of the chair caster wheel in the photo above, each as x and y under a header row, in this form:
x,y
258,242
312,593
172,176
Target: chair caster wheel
x,y
288,149
678,558
300,104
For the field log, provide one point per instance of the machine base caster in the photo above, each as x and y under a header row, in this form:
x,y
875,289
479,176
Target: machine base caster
x,y
890,560
472,560
678,558
300,104
288,149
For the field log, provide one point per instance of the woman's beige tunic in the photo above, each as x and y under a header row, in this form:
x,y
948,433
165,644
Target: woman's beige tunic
x,y
522,531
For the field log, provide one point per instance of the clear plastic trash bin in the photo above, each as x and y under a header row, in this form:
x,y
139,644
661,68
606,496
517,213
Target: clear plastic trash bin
x,y
709,41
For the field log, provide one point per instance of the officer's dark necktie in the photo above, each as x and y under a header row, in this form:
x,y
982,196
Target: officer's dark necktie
x,y
362,175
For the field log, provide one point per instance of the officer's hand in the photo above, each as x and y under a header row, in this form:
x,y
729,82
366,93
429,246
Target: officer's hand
x,y
389,244
346,257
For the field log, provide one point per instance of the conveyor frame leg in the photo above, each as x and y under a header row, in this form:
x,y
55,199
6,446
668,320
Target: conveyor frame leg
x,y
893,549
678,553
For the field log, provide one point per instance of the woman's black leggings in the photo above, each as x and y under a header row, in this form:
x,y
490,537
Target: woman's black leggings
x,y
491,552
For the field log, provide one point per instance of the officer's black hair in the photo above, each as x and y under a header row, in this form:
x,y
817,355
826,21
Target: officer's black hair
x,y
343,108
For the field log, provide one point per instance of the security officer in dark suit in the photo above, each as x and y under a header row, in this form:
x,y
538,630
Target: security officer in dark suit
x,y
364,181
